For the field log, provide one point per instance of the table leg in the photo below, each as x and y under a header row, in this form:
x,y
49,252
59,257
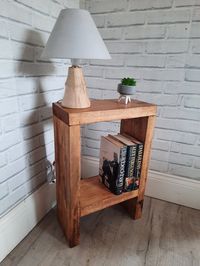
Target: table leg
x,y
142,129
67,157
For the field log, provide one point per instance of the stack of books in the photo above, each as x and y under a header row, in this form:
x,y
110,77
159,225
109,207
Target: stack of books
x,y
120,162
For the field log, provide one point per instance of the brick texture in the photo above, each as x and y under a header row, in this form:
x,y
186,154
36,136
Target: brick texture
x,y
158,43
28,86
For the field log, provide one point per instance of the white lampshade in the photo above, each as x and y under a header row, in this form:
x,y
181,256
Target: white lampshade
x,y
75,36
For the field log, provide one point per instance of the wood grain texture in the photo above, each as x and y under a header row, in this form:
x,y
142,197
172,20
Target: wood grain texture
x,y
76,95
67,156
166,235
103,110
142,129
94,196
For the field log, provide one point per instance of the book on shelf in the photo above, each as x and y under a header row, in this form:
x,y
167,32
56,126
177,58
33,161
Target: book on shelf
x,y
139,157
120,162
129,179
112,164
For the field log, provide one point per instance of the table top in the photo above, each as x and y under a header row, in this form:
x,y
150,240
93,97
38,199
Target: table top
x,y
103,110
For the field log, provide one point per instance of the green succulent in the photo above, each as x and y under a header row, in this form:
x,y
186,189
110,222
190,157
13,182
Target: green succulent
x,y
128,81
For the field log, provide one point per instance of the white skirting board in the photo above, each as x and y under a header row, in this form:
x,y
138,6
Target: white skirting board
x,y
16,224
176,189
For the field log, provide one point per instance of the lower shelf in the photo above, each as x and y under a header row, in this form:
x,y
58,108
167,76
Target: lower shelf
x,y
94,196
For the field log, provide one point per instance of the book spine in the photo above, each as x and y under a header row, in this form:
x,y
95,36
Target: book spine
x,y
131,161
130,164
127,161
138,164
121,171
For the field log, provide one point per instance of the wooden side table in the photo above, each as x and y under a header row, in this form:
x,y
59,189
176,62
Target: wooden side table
x,y
76,197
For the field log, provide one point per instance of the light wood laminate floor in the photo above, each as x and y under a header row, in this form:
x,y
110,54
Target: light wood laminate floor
x,y
167,235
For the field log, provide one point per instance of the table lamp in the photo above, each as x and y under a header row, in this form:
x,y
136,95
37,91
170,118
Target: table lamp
x,y
75,37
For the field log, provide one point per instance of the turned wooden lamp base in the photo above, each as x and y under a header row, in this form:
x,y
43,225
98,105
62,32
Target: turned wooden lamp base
x,y
76,95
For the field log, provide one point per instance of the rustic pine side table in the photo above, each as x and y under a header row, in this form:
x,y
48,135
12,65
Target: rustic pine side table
x,y
76,197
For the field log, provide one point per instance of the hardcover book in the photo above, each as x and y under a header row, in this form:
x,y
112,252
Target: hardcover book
x,y
129,180
112,164
138,161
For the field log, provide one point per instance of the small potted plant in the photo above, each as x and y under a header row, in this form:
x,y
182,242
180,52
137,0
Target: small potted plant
x,y
126,88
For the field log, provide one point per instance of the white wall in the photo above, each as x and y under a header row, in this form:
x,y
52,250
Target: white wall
x,y
158,43
28,86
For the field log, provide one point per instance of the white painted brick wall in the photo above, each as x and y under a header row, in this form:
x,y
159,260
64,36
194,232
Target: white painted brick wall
x,y
28,86
158,43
